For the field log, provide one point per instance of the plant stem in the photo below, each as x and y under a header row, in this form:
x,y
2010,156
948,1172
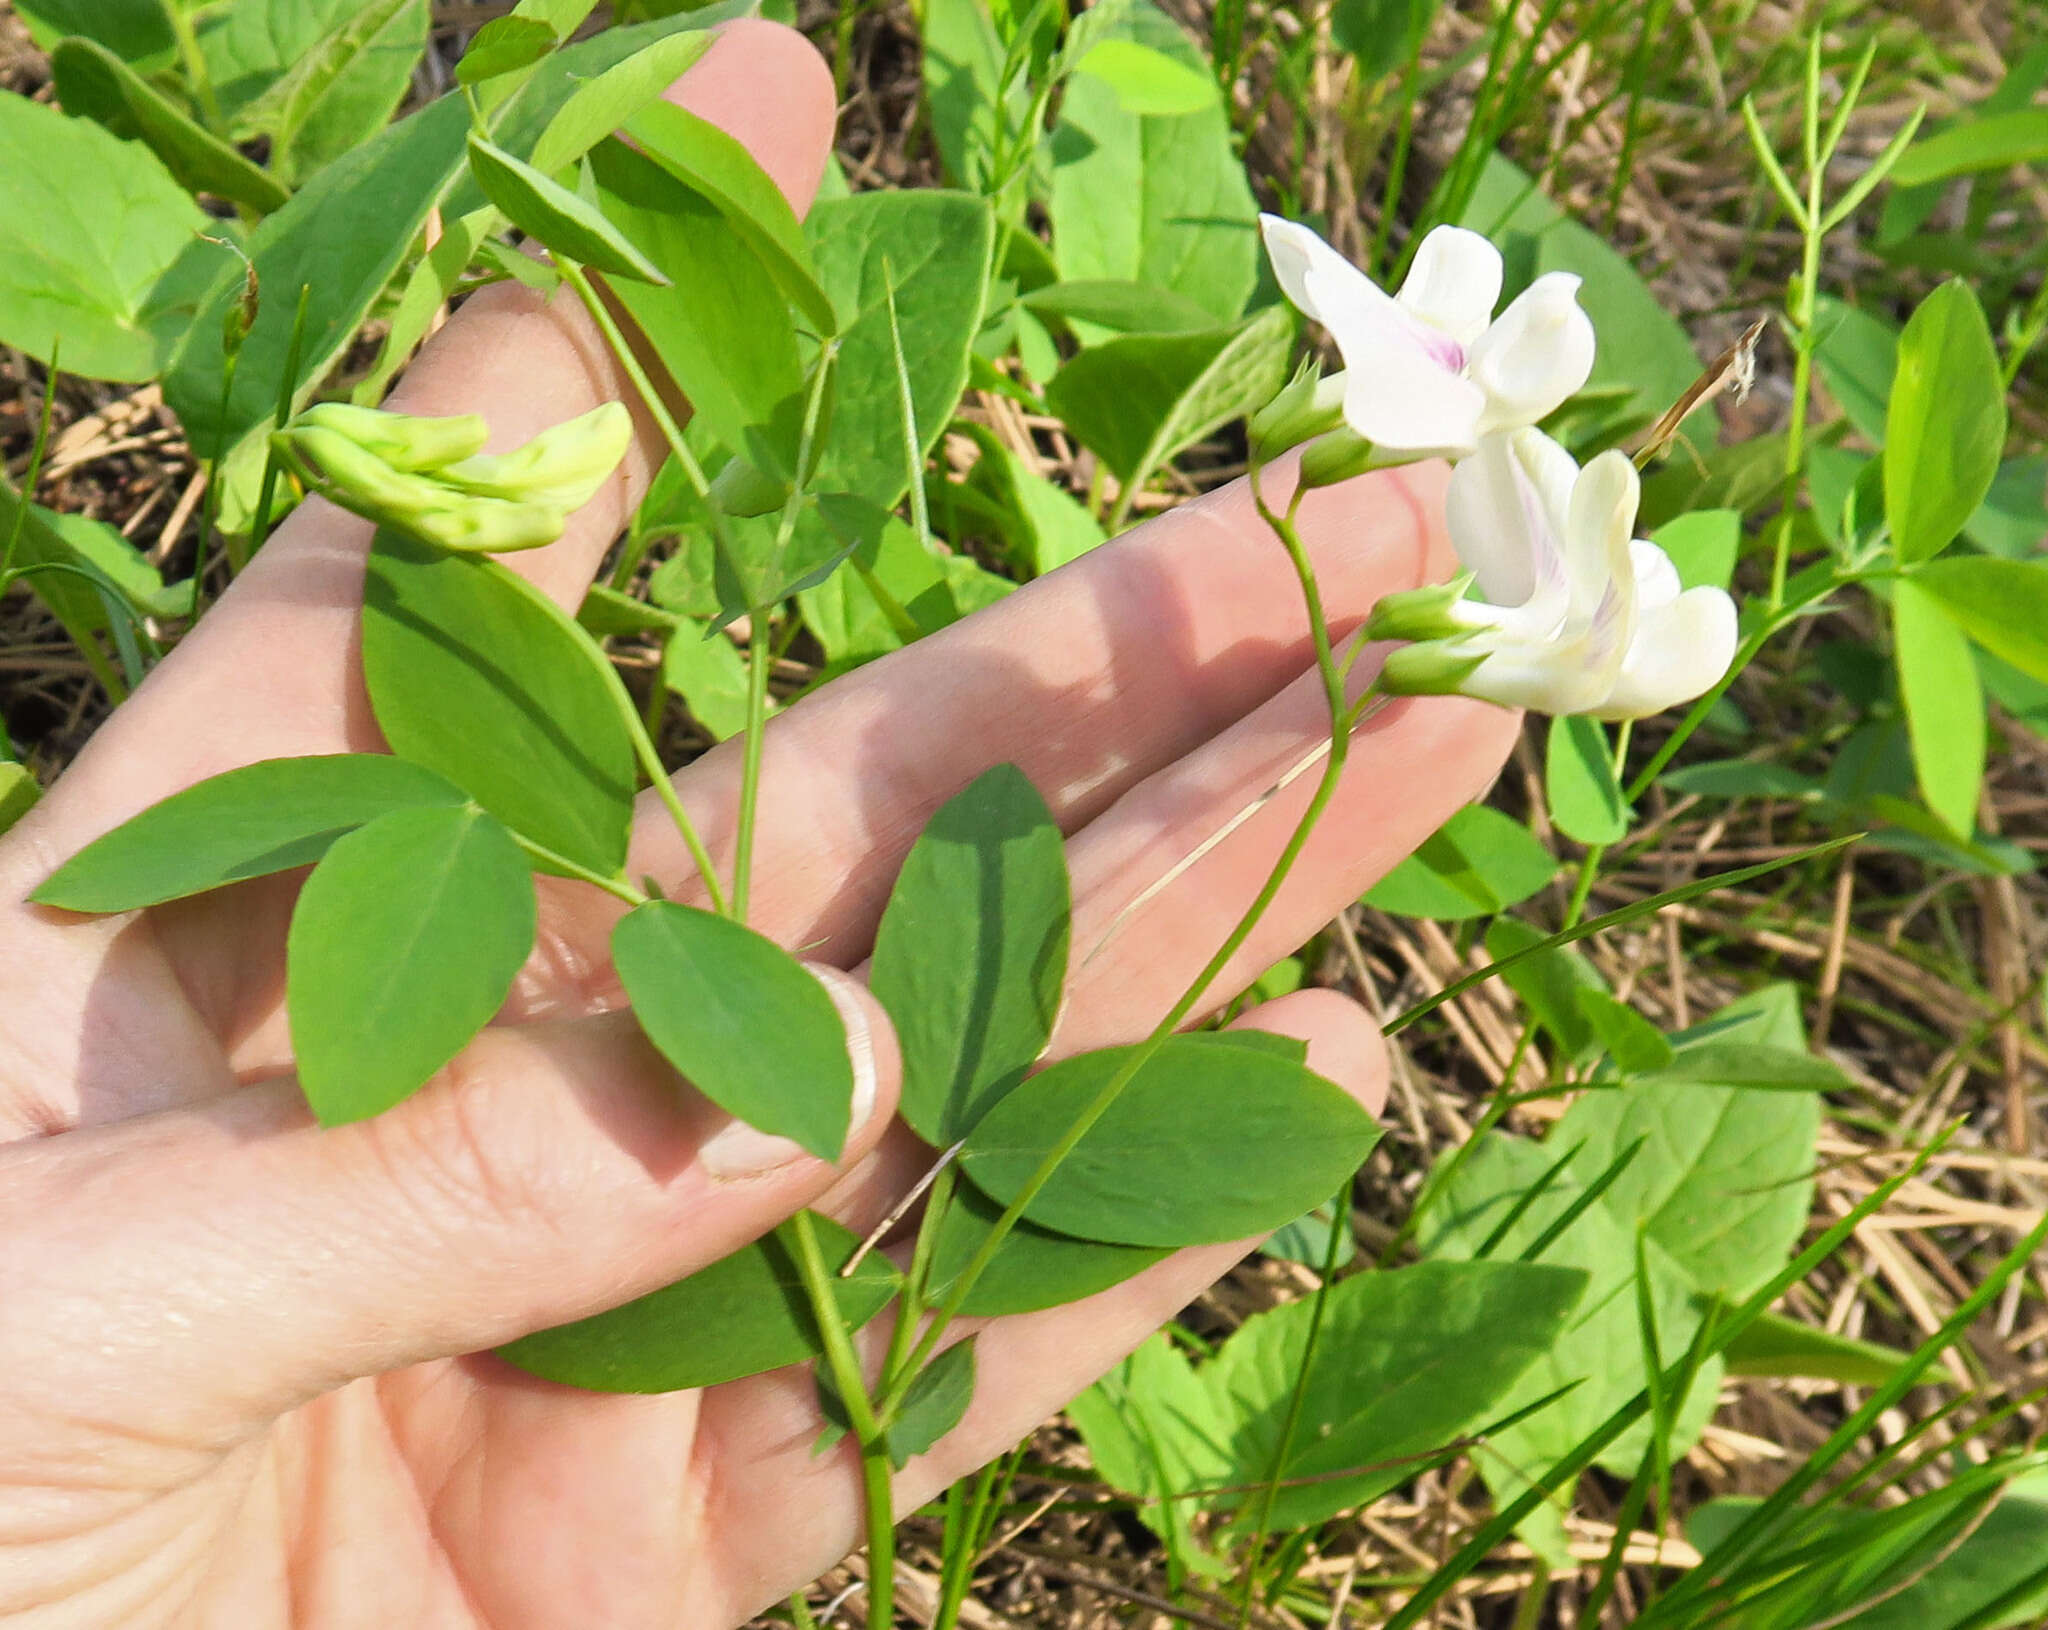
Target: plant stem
x,y
1341,717
611,885
1800,309
760,658
194,63
287,388
860,1413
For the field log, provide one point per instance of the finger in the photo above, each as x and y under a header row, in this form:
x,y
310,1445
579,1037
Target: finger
x,y
271,671
1090,679
247,1260
1026,1367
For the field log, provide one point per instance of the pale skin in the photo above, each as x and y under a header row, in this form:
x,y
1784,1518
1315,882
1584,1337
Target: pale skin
x,y
244,1369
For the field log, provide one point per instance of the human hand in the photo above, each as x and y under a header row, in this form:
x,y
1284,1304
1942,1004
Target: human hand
x,y
246,1377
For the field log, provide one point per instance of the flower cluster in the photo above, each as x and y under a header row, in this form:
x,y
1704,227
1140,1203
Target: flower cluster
x,y
1577,615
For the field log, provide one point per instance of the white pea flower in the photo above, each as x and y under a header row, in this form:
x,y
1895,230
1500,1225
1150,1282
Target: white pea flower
x,y
1429,371
1578,615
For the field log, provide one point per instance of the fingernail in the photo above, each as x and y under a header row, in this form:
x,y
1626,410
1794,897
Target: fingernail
x,y
738,1150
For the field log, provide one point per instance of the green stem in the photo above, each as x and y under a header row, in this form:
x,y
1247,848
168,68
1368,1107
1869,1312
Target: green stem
x,y
1801,310
760,658
287,389
194,61
860,1413
33,474
1341,718
611,885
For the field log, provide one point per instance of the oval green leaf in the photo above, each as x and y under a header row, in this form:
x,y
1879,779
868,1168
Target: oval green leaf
x,y
406,940
2001,604
476,674
1209,1141
1579,782
1945,425
741,1316
504,45
746,1023
934,1404
971,954
545,210
1944,705
263,818
1477,863
1148,81
1033,1268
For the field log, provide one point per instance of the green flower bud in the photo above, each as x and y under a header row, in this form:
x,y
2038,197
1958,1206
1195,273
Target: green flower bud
x,y
741,489
1309,406
1419,614
1337,456
399,439
564,466
1434,668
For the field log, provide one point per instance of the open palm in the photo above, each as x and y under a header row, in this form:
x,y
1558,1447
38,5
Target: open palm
x,y
233,1344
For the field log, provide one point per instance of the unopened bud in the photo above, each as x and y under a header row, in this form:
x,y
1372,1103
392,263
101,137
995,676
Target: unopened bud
x,y
1336,456
401,440
1434,668
1307,407
741,489
1419,614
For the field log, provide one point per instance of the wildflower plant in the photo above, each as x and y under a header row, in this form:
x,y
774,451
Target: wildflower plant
x,y
822,366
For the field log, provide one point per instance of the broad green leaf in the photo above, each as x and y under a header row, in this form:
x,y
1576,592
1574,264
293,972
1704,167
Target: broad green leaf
x,y
110,224
1152,199
1945,425
1635,1044
1599,1352
94,83
1405,1361
1039,525
1033,1268
1476,864
1858,353
723,329
1139,399
1129,308
404,942
1548,982
710,675
2013,519
1944,704
136,31
932,249
717,166
341,92
265,817
1384,35
1307,1239
934,1404
1209,1141
315,242
1776,1345
747,1024
1147,81
248,45
433,280
971,954
1703,546
1758,1066
848,612
1154,1429
2001,604
604,102
1993,143
1645,361
1741,778
1579,782
743,1315
473,673
19,792
548,211
504,45
1726,1178
963,66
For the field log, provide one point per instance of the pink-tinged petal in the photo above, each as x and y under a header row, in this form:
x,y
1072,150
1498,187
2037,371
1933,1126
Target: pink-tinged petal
x,y
1402,401
1317,280
1657,580
1680,651
1453,283
1537,354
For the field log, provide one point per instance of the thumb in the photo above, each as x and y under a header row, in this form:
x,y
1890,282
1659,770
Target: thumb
x,y
208,1268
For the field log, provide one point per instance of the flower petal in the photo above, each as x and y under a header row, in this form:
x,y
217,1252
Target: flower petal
x,y
1537,353
1500,526
1315,278
1657,580
1400,399
1680,650
1453,283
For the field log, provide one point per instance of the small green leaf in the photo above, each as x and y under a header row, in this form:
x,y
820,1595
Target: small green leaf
x,y
1115,303
1858,353
1478,863
136,31
1549,981
1579,781
504,45
1033,1268
548,211
1383,34
971,954
19,792
1945,426
707,671
1147,81
1776,1345
1992,143
1139,399
1635,1044
602,103
2001,604
1207,1142
405,941
746,1023
1703,546
263,818
936,1401
1944,704
110,224
94,83
474,673
743,1315
341,92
